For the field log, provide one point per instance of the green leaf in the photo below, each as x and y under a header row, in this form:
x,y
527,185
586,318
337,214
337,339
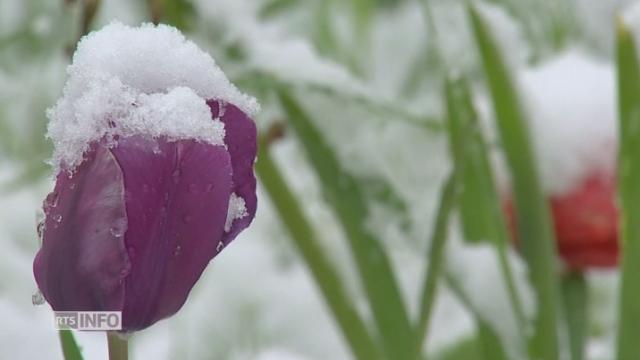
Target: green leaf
x,y
629,178
70,349
378,190
479,203
435,263
343,194
179,13
575,295
466,349
274,8
534,221
323,272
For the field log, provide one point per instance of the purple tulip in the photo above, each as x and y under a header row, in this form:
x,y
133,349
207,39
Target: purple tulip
x,y
136,223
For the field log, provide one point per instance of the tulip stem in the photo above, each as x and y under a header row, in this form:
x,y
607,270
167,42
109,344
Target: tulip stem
x,y
118,347
70,349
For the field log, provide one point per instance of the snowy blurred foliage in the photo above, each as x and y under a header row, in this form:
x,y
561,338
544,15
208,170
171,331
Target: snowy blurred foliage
x,y
368,73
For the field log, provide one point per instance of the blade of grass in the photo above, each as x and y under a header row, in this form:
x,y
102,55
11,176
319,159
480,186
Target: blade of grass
x,y
532,213
376,273
574,290
329,282
479,202
70,349
629,178
436,255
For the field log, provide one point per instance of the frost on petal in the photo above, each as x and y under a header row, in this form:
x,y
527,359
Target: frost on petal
x,y
241,141
83,261
177,200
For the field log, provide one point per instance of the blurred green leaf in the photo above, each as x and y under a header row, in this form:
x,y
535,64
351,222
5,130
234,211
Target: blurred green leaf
x,y
575,295
548,26
532,213
70,349
467,349
179,13
324,273
629,175
27,174
435,256
385,109
478,201
344,195
379,190
274,8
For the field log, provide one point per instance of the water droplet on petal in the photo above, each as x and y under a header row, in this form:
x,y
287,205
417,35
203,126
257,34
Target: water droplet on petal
x,y
50,202
193,188
210,187
146,188
57,218
72,186
37,298
177,250
119,228
220,246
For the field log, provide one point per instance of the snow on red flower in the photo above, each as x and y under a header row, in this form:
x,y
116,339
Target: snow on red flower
x,y
575,139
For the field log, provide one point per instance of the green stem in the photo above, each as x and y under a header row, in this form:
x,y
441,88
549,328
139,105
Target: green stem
x,y
70,350
574,289
118,347
353,327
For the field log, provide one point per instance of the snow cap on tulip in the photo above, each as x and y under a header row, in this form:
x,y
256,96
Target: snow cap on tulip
x,y
571,101
153,157
572,112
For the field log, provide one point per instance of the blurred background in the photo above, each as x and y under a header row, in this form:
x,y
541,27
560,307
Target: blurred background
x,y
369,75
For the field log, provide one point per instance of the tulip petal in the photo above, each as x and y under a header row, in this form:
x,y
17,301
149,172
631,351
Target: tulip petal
x,y
241,140
177,195
83,260
586,223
